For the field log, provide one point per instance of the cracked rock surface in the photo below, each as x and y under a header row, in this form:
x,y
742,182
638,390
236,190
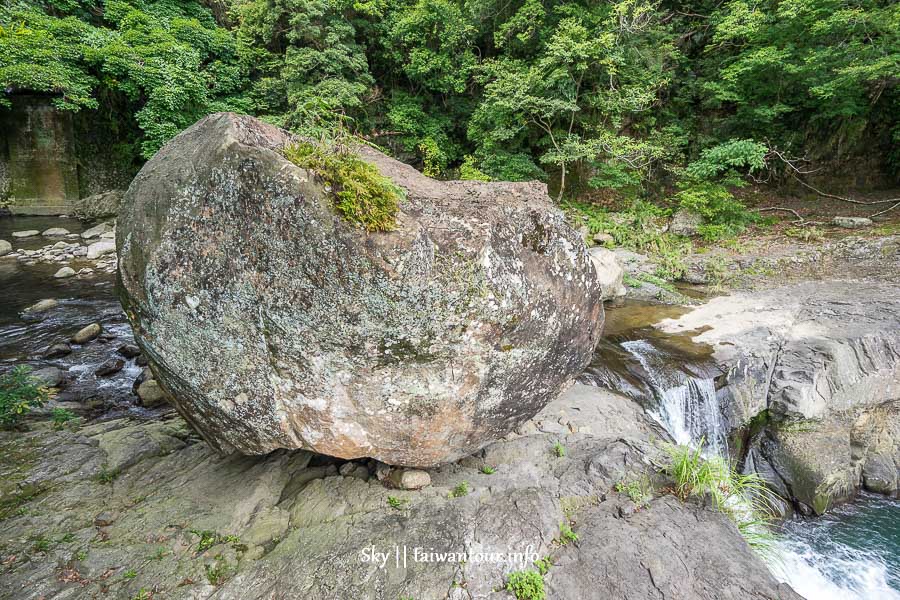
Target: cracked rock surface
x,y
273,323
124,506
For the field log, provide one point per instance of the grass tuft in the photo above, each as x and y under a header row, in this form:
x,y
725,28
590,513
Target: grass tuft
x,y
361,194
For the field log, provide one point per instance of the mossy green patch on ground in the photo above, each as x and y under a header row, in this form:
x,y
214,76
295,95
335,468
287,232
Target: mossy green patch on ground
x,y
362,195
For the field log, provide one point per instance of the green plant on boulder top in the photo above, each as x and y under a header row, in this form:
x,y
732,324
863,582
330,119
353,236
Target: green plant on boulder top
x,y
488,469
526,585
20,393
362,195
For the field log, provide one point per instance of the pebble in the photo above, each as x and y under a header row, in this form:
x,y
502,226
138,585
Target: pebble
x,y
64,273
55,232
42,305
87,334
128,350
96,231
151,394
110,367
25,234
5,247
409,479
58,350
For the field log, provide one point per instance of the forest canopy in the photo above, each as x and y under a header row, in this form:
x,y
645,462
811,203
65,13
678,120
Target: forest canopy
x,y
629,95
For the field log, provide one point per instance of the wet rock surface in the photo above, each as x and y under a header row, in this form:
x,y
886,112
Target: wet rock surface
x,y
130,505
273,323
814,383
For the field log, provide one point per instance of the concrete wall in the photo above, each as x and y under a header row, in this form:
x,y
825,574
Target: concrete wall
x,y
42,167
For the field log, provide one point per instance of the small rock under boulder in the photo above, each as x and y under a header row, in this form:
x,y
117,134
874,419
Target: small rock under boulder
x,y
409,479
274,323
151,394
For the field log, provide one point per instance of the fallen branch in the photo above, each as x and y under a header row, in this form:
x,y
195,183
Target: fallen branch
x,y
843,199
889,209
800,220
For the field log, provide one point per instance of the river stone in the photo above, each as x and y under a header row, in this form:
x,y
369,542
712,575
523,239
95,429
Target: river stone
x,y
87,334
151,394
101,248
128,350
49,376
42,306
851,222
99,206
409,479
609,272
55,232
5,247
110,367
273,323
26,234
64,273
57,351
96,231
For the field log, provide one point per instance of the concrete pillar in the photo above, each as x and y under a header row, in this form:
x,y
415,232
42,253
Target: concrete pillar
x,y
41,169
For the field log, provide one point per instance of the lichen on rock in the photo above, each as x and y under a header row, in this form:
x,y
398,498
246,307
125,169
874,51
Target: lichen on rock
x,y
273,322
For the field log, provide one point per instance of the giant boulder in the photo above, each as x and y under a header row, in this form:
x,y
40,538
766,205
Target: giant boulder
x,y
273,323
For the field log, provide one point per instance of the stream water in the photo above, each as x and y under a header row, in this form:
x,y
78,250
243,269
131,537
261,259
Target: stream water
x,y
851,553
81,301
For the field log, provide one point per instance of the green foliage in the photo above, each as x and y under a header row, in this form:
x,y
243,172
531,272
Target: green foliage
x,y
725,160
639,227
488,470
361,194
62,417
397,503
106,475
526,585
744,498
218,571
208,539
170,61
559,450
723,216
639,491
461,489
566,535
19,394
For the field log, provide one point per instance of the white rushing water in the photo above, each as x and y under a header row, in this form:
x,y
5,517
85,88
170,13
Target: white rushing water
x,y
687,407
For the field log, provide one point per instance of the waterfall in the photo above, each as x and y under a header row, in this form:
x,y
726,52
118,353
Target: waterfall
x,y
685,405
